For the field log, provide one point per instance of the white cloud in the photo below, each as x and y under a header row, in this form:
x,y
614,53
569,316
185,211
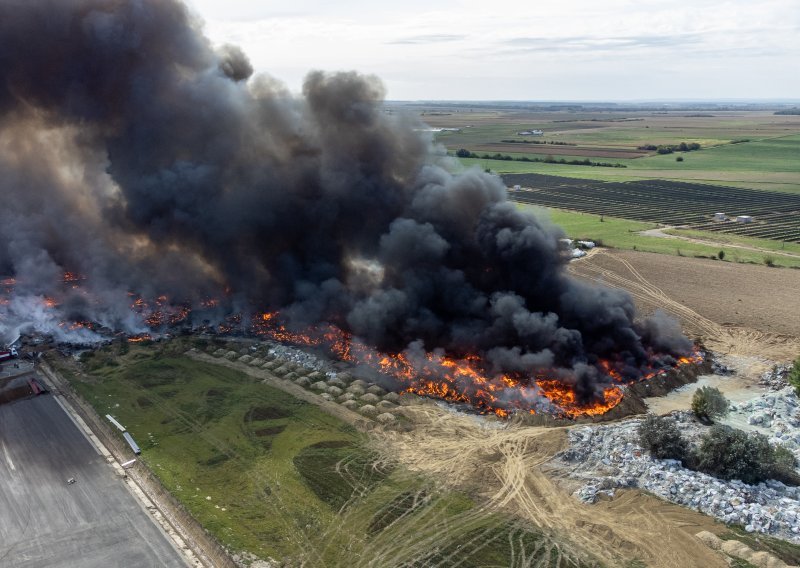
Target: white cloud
x,y
548,49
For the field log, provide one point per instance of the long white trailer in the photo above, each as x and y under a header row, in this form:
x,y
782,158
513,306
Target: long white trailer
x,y
115,423
131,443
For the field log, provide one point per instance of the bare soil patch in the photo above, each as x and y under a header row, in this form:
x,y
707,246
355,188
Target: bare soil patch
x,y
737,309
507,466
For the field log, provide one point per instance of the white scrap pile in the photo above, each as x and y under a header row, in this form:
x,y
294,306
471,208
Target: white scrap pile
x,y
576,249
774,414
608,457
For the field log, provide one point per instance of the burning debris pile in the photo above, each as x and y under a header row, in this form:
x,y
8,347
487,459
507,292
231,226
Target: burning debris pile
x,y
158,172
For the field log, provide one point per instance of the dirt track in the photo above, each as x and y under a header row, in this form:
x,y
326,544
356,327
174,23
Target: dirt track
x,y
506,464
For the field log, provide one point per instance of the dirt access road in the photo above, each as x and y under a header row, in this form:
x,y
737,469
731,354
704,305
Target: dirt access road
x,y
659,232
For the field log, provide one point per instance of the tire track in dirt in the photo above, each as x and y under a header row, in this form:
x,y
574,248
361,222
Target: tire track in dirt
x,y
505,466
724,339
639,287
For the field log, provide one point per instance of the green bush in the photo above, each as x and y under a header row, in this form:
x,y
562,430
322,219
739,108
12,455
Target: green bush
x,y
708,403
794,376
729,453
782,466
661,437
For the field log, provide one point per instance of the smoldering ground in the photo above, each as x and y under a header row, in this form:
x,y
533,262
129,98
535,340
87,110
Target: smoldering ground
x,y
135,154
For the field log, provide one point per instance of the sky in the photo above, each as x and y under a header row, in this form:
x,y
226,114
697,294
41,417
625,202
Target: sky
x,y
578,50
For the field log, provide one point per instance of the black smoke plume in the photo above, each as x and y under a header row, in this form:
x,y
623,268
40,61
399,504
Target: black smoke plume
x,y
136,155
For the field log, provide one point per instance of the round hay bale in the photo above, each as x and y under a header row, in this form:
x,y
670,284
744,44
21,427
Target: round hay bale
x,y
408,399
282,370
350,404
368,410
345,377
231,355
346,396
244,351
245,359
356,390
290,376
303,382
736,548
336,382
369,398
268,357
375,389
326,396
335,391
710,539
315,376
257,361
320,385
385,418
357,383
302,371
273,365
219,352
386,405
391,396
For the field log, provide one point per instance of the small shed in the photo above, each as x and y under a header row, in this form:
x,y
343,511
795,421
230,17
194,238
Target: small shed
x,y
744,219
719,217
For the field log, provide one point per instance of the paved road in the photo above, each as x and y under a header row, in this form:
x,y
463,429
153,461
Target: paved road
x,y
15,367
44,522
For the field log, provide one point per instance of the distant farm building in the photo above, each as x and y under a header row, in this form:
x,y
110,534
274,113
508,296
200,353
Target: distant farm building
x,y
719,217
744,219
530,133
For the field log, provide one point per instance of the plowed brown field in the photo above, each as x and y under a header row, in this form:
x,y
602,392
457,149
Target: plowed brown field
x,y
735,308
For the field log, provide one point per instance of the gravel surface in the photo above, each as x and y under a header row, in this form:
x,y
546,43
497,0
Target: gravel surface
x,y
605,458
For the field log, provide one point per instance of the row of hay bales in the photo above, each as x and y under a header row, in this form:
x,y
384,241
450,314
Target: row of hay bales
x,y
368,399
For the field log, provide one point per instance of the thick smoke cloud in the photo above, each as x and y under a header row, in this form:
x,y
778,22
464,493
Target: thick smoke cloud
x,y
135,154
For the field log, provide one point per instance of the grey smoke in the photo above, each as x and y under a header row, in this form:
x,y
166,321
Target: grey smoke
x,y
134,153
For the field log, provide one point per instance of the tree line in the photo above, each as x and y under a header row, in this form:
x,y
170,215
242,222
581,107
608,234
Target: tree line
x,y
464,153
670,148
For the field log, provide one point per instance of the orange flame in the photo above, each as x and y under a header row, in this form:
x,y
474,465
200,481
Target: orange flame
x,y
461,380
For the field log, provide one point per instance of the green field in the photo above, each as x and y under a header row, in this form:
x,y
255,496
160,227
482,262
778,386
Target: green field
x,y
749,149
278,477
771,155
765,159
769,164
729,239
624,234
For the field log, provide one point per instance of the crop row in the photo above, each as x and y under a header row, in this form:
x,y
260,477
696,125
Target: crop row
x,y
777,215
